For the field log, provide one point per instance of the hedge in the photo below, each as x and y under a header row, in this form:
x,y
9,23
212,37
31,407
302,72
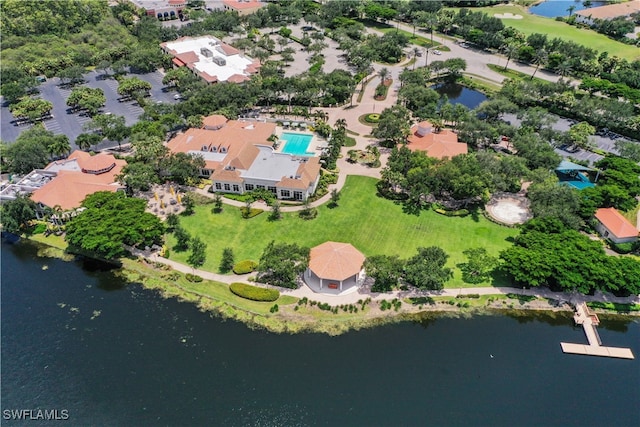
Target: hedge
x,y
622,248
254,293
459,212
193,278
244,267
252,212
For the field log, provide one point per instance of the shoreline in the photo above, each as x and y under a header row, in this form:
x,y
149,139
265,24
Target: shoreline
x,y
294,316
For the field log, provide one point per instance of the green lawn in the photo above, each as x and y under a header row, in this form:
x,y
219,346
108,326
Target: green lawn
x,y
373,225
537,24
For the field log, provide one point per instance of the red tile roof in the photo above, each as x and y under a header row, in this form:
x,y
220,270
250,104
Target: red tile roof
x,y
437,145
618,225
69,188
242,5
334,260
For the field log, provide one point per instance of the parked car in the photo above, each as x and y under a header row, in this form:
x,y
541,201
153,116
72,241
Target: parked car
x,y
437,52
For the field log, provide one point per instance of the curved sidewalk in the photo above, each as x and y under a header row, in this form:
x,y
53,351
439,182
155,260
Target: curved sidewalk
x,y
362,294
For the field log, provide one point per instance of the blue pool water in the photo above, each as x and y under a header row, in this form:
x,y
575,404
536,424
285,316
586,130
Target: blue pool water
x,y
296,144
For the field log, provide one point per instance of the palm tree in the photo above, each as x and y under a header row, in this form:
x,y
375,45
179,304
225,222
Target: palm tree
x,y
539,59
570,9
509,49
416,51
438,124
383,74
341,124
564,68
59,147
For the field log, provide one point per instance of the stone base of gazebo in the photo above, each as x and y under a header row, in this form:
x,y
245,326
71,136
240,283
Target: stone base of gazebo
x,y
331,287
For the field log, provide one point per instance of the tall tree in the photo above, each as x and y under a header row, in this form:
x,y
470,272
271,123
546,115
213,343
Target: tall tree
x,y
281,264
427,270
110,220
16,213
227,261
198,254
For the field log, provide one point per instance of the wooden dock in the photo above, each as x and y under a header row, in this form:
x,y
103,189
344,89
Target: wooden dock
x,y
589,320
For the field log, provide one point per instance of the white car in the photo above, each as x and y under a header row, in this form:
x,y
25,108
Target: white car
x,y
437,52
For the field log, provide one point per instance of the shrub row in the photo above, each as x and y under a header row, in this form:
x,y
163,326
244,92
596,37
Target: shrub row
x,y
254,293
623,248
193,278
244,267
251,213
468,296
459,212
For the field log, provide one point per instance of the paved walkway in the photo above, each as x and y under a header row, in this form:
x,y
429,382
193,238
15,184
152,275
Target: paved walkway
x,y
362,293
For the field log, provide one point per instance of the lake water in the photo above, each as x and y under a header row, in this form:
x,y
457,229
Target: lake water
x,y
458,94
554,8
77,338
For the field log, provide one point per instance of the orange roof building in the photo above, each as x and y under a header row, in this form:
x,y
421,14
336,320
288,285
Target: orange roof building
x,y
78,176
243,7
239,157
211,59
613,226
64,184
438,145
334,268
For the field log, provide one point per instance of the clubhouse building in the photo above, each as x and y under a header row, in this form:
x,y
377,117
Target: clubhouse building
x,y
211,59
63,184
239,157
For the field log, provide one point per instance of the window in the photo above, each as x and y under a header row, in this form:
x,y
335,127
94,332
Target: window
x,y
273,190
285,193
218,186
227,187
260,187
236,188
248,187
297,195
205,172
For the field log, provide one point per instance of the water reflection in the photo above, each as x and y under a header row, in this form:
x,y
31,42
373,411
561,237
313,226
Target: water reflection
x,y
458,94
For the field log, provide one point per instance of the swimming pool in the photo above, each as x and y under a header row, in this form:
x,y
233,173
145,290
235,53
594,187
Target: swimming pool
x,y
296,144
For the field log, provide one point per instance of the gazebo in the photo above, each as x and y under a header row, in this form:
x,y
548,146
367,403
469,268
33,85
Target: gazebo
x,y
573,174
334,268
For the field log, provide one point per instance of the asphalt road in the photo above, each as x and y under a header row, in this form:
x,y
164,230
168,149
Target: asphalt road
x,y
72,124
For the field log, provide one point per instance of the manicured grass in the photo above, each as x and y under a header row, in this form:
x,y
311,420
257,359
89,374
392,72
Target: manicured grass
x,y
509,73
372,224
51,240
385,28
215,291
530,24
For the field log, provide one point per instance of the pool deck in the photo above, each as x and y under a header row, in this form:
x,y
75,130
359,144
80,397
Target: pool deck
x,y
316,144
589,321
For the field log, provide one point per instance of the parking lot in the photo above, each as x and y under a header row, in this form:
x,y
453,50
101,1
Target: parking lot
x,y
72,124
603,140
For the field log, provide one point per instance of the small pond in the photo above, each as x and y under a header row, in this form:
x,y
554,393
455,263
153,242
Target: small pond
x,y
459,94
555,8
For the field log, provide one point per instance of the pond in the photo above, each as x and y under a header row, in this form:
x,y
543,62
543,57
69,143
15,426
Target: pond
x,y
77,337
555,8
458,94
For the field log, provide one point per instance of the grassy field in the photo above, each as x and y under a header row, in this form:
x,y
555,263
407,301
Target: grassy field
x,y
372,224
537,24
